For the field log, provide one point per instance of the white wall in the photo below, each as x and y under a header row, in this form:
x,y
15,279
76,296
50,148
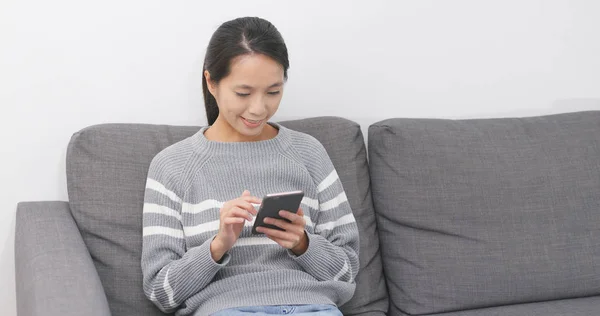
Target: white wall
x,y
67,64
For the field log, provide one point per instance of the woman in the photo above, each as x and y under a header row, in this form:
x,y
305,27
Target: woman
x,y
199,254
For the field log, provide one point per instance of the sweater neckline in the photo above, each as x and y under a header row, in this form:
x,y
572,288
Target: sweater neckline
x,y
280,141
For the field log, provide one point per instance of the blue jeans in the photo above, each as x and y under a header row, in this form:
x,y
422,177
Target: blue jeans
x,y
298,310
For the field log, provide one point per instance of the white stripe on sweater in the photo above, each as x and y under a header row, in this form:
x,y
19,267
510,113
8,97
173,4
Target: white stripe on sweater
x,y
202,228
158,187
333,203
342,272
169,290
213,226
160,230
201,207
205,206
328,181
312,203
346,219
253,241
160,209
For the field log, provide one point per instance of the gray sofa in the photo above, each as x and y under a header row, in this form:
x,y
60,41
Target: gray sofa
x,y
456,217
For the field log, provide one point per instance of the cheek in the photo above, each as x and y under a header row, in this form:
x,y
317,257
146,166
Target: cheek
x,y
272,108
232,104
273,104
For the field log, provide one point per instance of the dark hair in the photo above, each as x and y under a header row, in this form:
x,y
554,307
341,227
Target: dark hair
x,y
234,38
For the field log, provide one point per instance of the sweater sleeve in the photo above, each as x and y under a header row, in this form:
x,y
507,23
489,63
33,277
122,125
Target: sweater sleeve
x,y
171,273
332,252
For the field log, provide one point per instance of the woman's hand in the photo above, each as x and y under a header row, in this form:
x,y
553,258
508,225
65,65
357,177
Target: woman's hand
x,y
234,215
294,237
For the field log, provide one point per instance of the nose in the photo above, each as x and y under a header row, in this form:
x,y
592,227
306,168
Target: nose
x,y
258,107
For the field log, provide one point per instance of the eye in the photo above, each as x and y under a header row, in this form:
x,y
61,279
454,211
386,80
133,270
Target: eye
x,y
274,92
242,94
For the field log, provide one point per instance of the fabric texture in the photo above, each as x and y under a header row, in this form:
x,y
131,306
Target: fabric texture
x,y
107,166
487,212
187,185
298,310
54,271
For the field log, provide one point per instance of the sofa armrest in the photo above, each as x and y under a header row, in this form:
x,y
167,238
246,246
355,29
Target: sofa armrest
x,y
55,274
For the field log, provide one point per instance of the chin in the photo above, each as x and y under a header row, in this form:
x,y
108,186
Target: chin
x,y
246,131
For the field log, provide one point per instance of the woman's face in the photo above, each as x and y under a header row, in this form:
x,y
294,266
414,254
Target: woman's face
x,y
249,96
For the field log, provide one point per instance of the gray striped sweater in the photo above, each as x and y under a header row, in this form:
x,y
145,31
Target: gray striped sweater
x,y
188,183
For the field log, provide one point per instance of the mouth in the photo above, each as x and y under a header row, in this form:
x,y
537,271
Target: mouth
x,y
251,123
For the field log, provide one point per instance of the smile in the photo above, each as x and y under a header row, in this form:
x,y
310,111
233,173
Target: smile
x,y
251,123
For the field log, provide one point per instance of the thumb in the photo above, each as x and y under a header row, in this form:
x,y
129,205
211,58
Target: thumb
x,y
246,193
300,212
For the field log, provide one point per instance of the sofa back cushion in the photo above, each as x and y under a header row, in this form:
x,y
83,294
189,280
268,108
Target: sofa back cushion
x,y
107,167
485,212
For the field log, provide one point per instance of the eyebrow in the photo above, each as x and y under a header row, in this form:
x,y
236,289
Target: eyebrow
x,y
245,86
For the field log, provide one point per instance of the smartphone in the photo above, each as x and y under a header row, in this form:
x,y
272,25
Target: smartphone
x,y
273,203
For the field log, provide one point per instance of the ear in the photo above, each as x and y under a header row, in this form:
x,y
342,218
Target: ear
x,y
211,86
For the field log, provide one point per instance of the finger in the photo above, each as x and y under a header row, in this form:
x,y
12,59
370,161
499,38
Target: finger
x,y
280,223
246,193
283,243
246,206
285,236
233,220
251,199
294,218
239,212
300,212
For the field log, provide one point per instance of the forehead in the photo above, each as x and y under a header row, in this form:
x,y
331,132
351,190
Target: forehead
x,y
255,70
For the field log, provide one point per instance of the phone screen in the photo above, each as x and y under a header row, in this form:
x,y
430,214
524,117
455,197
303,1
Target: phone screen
x,y
273,203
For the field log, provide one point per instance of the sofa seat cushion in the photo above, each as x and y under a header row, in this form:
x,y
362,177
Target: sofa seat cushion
x,y
586,306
